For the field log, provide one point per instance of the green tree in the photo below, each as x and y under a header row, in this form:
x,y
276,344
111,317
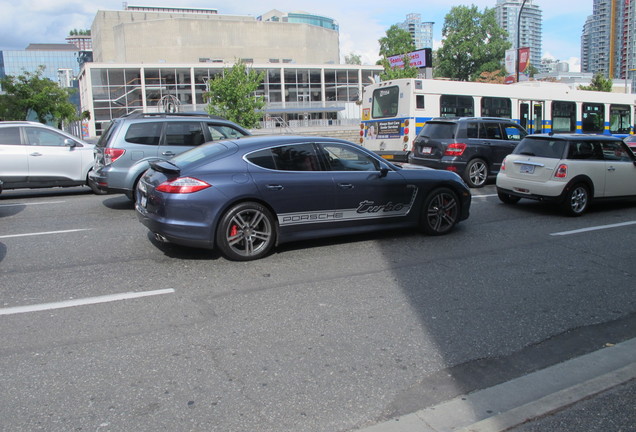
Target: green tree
x,y
599,83
353,59
232,95
396,42
472,43
30,92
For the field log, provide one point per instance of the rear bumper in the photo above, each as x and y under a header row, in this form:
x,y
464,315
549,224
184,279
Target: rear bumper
x,y
100,178
448,164
181,233
543,191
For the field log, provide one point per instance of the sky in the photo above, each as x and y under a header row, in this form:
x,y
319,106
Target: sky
x,y
361,23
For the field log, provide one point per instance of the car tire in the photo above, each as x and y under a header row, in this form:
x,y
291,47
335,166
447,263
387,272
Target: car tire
x,y
440,212
507,198
476,173
247,231
91,184
576,200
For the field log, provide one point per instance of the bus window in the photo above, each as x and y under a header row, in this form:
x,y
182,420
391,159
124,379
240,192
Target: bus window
x,y
538,117
563,116
419,101
524,114
456,106
619,119
385,102
593,118
496,107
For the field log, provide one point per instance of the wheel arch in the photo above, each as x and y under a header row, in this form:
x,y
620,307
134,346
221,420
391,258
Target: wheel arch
x,y
581,178
241,200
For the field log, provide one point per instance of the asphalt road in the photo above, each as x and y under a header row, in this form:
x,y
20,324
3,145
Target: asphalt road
x,y
105,330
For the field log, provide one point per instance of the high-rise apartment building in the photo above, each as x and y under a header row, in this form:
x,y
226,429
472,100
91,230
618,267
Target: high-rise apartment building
x,y
608,41
421,32
529,30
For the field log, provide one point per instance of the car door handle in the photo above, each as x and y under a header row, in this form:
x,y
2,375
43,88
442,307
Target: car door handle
x,y
168,153
274,187
611,168
36,154
345,185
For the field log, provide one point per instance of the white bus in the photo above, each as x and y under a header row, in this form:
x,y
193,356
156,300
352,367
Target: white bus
x,y
393,112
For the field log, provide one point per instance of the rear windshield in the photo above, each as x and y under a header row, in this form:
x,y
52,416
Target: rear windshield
x,y
103,140
204,153
547,148
442,130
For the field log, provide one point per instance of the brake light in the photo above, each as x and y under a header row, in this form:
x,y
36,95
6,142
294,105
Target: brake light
x,y
112,154
455,149
561,171
183,185
503,165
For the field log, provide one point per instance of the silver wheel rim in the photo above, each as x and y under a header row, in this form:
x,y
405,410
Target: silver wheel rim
x,y
442,212
477,173
249,232
578,199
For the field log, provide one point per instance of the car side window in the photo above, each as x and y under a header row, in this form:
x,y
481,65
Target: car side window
x,y
298,157
584,150
10,136
187,134
345,158
43,137
615,152
220,132
493,131
148,133
472,130
513,132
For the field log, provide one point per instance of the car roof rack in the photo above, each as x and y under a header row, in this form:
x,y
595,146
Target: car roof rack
x,y
139,114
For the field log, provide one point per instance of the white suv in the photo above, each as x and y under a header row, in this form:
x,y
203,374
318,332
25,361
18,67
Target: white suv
x,y
33,155
569,169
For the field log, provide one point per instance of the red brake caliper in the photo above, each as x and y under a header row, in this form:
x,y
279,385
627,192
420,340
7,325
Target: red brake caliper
x,y
233,230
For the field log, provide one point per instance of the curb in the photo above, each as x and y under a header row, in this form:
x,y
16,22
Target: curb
x,y
512,403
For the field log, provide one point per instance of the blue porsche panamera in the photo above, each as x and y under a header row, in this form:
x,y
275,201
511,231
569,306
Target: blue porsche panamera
x,y
246,196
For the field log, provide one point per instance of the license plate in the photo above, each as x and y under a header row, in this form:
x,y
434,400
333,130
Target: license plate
x,y
526,169
387,157
427,150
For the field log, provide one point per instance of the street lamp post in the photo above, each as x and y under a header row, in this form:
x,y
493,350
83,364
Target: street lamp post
x,y
519,39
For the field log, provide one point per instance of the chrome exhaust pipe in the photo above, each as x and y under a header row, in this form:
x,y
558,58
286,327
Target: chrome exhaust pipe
x,y
161,238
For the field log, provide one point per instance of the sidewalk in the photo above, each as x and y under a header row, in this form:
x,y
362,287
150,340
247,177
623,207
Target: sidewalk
x,y
574,390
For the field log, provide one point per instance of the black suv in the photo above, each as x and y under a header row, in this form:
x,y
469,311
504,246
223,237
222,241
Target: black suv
x,y
473,147
125,150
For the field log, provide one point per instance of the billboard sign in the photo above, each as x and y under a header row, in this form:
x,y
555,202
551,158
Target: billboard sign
x,y
419,59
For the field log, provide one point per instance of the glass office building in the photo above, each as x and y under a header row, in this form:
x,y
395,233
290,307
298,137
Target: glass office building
x,y
54,58
298,95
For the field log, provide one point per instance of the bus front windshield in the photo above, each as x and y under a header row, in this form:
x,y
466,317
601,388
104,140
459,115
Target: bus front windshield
x,y
385,102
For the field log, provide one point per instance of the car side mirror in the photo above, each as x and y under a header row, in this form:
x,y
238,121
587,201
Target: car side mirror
x,y
384,171
70,143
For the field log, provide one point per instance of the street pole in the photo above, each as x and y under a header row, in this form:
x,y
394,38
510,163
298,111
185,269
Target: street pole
x,y
519,39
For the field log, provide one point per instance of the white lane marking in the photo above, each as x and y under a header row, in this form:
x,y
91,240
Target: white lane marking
x,y
83,302
27,204
484,196
596,228
44,233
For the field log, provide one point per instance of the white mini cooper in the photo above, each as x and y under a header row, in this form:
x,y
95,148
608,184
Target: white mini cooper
x,y
568,169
